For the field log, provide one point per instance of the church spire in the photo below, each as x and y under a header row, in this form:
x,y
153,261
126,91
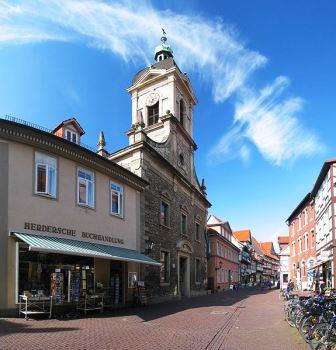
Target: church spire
x,y
163,50
101,145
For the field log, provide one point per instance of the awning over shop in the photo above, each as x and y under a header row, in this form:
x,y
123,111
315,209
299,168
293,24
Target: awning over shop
x,y
72,247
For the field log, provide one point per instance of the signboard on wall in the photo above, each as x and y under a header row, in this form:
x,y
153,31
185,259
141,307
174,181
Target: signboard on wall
x,y
64,231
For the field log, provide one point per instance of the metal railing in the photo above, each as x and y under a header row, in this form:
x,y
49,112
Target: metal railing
x,y
42,128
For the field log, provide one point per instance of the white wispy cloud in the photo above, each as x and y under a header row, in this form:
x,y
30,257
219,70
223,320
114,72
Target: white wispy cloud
x,y
211,48
132,30
269,120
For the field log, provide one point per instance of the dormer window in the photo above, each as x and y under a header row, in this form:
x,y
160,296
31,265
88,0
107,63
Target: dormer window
x,y
70,130
72,136
153,114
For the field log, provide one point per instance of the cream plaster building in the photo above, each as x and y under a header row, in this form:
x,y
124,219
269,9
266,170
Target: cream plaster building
x,y
69,213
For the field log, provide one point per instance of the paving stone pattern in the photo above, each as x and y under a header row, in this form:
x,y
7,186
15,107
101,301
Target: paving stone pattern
x,y
244,319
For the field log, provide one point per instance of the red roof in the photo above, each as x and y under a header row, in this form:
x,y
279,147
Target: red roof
x,y
283,239
268,249
72,121
242,235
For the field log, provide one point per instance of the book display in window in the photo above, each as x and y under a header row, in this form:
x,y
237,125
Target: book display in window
x,y
56,287
116,283
75,285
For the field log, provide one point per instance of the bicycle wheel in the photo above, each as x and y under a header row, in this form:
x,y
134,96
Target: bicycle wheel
x,y
290,317
306,325
316,337
300,315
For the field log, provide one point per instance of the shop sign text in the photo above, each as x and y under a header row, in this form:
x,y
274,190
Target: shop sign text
x,y
71,232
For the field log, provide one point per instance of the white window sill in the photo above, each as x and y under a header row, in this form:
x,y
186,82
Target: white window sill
x,y
44,195
117,216
85,206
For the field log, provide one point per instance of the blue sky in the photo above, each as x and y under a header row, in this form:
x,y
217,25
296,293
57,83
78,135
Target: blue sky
x,y
263,72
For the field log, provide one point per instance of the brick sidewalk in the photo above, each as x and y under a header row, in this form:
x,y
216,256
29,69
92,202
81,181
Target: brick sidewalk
x,y
244,319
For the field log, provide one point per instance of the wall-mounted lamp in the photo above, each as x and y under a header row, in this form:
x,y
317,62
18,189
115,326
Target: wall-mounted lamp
x,y
149,244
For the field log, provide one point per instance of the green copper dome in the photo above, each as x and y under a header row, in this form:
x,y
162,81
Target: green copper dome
x,y
163,50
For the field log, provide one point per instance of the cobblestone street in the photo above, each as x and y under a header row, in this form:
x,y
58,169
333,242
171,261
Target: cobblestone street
x,y
244,319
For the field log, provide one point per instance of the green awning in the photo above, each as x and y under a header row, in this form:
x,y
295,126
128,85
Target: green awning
x,y
72,247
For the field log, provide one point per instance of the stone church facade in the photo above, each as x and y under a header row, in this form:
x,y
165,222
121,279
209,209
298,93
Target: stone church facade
x,y
174,205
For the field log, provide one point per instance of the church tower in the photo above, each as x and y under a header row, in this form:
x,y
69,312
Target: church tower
x,y
161,151
162,108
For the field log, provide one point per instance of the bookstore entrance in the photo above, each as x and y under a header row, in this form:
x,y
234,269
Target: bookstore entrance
x,y
68,279
73,275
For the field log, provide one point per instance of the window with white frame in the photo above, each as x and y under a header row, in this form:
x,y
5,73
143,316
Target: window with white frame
x,y
85,187
72,136
117,199
306,241
45,174
293,249
306,217
153,114
218,249
312,240
300,221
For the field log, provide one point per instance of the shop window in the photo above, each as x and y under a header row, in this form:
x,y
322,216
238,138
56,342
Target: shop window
x,y
117,199
164,214
197,231
153,114
183,224
45,175
114,293
197,270
71,136
66,277
164,270
85,187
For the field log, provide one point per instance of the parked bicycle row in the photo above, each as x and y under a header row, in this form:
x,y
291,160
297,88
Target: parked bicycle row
x,y
314,316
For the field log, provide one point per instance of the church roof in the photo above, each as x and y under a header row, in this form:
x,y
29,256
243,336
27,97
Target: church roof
x,y
164,64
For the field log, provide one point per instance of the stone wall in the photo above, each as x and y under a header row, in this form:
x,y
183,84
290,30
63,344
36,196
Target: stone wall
x,y
166,186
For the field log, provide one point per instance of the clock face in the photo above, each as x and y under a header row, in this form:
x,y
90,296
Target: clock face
x,y
152,99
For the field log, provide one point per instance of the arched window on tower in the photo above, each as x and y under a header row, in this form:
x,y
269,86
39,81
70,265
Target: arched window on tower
x,y
182,113
153,114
